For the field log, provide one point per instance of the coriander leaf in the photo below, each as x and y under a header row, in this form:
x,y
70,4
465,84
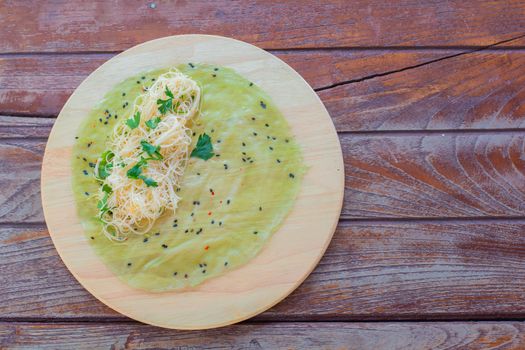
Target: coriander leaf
x,y
106,188
203,149
151,150
135,171
134,121
168,92
148,181
105,165
153,123
167,104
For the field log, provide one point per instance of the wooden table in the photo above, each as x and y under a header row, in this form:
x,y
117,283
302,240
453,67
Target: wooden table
x,y
429,102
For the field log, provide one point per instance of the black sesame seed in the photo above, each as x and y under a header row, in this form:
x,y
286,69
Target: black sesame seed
x,y
157,234
204,264
225,263
217,155
218,141
267,125
243,153
175,225
138,81
174,274
105,123
251,84
278,160
291,175
251,161
143,77
107,111
200,265
92,237
203,271
100,120
244,160
199,174
271,148
212,130
212,222
145,240
186,231
191,65
129,264
260,208
268,137
225,166
220,223
263,105
243,144
84,159
116,116
255,232
215,69
194,134
253,118
286,140
85,172
254,134
228,201
76,137
192,214
86,193
164,246
124,106
214,75
123,94
211,190
152,79
186,276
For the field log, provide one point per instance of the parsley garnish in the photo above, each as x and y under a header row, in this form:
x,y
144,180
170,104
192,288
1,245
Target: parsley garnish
x,y
106,188
105,165
152,123
152,151
134,121
148,181
203,149
167,104
135,172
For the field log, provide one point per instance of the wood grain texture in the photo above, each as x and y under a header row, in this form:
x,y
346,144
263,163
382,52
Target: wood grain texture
x,y
387,175
371,271
478,90
117,25
39,85
437,175
351,336
277,270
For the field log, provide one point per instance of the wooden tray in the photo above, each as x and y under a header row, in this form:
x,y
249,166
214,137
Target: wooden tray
x,y
290,255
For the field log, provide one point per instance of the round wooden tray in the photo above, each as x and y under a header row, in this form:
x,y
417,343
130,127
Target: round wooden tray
x,y
290,255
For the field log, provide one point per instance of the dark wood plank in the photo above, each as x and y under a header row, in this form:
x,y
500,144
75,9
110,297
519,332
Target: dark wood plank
x,y
39,85
437,175
387,175
478,90
20,127
375,270
110,26
117,336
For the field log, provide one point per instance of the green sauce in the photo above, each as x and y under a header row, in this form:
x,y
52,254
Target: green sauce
x,y
231,204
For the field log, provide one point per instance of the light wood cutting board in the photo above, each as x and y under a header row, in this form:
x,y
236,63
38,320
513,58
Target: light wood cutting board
x,y
290,255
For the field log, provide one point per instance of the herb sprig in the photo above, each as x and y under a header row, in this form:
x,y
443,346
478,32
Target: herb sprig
x,y
204,148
